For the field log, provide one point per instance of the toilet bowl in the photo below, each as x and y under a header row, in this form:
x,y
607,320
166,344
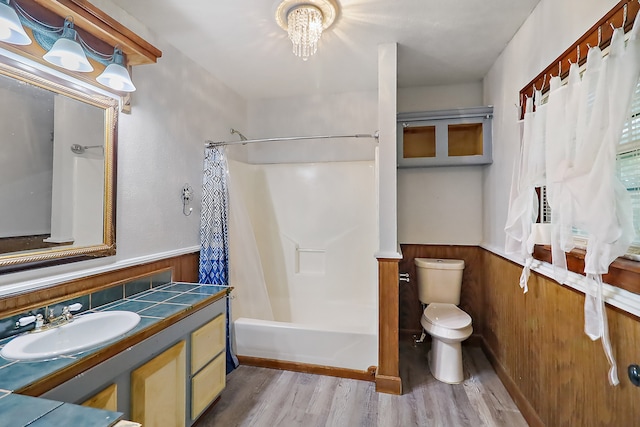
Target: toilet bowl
x,y
448,327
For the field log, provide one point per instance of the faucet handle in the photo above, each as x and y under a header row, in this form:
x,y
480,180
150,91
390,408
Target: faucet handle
x,y
75,307
24,321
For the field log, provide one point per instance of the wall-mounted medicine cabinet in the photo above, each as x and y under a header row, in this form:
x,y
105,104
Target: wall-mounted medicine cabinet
x,y
445,138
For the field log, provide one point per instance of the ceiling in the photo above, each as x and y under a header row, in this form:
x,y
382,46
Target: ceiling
x,y
439,42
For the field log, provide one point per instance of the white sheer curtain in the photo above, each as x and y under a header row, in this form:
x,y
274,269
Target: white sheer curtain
x,y
577,131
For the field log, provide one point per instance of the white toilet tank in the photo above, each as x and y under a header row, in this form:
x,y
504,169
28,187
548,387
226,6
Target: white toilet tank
x,y
439,280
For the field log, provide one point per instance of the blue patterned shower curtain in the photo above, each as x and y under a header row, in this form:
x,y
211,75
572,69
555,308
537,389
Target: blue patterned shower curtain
x,y
214,236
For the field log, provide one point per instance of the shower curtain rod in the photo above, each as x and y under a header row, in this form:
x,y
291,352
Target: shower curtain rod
x,y
209,144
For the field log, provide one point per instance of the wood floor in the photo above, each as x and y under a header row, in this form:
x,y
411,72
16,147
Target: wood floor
x,y
264,397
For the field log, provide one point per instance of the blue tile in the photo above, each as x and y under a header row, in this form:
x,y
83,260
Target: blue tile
x,y
209,289
4,362
181,287
20,410
161,278
21,374
106,296
155,296
163,310
131,305
136,286
68,414
146,321
111,305
189,299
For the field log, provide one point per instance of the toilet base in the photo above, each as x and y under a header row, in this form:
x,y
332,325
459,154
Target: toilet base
x,y
445,361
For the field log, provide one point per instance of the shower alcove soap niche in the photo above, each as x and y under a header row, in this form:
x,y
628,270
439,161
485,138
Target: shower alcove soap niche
x,y
445,138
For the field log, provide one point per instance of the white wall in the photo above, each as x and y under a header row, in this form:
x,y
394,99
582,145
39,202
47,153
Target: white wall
x,y
316,232
336,114
440,205
548,32
160,148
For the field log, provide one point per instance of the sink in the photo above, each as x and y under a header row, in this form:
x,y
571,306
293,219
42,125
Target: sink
x,y
84,332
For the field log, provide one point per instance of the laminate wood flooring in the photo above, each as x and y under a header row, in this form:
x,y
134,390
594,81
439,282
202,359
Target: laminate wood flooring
x,y
262,397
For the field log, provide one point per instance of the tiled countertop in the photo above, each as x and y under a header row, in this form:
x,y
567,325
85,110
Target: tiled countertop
x,y
152,305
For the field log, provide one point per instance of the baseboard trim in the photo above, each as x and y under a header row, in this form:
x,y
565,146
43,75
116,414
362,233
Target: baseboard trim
x,y
388,384
527,411
307,368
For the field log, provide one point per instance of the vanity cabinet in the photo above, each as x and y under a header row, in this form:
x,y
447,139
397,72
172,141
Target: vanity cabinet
x,y
208,367
445,138
168,379
158,389
106,399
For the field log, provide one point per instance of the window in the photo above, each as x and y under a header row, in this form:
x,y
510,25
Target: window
x,y
628,169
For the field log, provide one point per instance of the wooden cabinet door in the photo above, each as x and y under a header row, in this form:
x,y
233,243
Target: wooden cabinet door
x,y
207,342
207,384
107,399
158,390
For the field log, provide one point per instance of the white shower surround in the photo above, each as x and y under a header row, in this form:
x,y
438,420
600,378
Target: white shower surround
x,y
316,231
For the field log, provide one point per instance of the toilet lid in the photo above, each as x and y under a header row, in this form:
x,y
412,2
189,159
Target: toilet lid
x,y
447,315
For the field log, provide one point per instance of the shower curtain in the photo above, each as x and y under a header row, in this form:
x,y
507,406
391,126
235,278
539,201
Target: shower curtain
x,y
214,246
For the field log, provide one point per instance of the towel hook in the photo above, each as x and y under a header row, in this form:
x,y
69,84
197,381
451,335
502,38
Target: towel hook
x,y
599,35
624,14
186,198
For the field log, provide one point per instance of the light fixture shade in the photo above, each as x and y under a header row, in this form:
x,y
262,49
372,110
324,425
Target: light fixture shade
x,y
116,76
67,52
11,30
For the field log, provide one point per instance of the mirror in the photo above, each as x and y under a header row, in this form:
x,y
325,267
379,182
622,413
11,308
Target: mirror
x,y
57,185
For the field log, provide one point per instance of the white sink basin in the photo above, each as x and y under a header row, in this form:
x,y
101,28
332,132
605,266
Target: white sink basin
x,y
83,332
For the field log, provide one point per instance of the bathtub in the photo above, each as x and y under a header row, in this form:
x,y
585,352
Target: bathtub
x,y
348,348
302,263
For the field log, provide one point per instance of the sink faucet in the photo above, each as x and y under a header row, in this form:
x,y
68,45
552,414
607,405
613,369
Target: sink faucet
x,y
65,317
51,320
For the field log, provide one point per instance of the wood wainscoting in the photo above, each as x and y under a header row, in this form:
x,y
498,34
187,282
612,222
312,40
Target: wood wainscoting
x,y
184,269
536,341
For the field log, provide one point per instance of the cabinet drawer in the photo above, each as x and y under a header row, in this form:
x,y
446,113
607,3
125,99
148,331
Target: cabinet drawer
x,y
207,342
207,385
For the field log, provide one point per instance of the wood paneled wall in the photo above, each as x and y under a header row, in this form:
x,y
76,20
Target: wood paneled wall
x,y
388,373
184,269
537,341
471,298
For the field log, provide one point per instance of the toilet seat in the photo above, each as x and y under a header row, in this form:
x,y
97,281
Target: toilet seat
x,y
446,316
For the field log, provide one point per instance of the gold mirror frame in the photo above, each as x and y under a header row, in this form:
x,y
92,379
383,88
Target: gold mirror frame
x,y
23,260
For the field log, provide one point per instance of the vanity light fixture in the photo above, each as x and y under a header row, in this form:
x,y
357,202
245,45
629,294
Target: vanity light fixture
x,y
65,48
116,75
11,30
67,51
304,22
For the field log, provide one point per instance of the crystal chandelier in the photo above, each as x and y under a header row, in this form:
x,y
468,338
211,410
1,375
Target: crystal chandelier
x,y
304,22
305,29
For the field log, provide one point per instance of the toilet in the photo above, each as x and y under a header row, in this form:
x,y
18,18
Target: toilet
x,y
439,284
